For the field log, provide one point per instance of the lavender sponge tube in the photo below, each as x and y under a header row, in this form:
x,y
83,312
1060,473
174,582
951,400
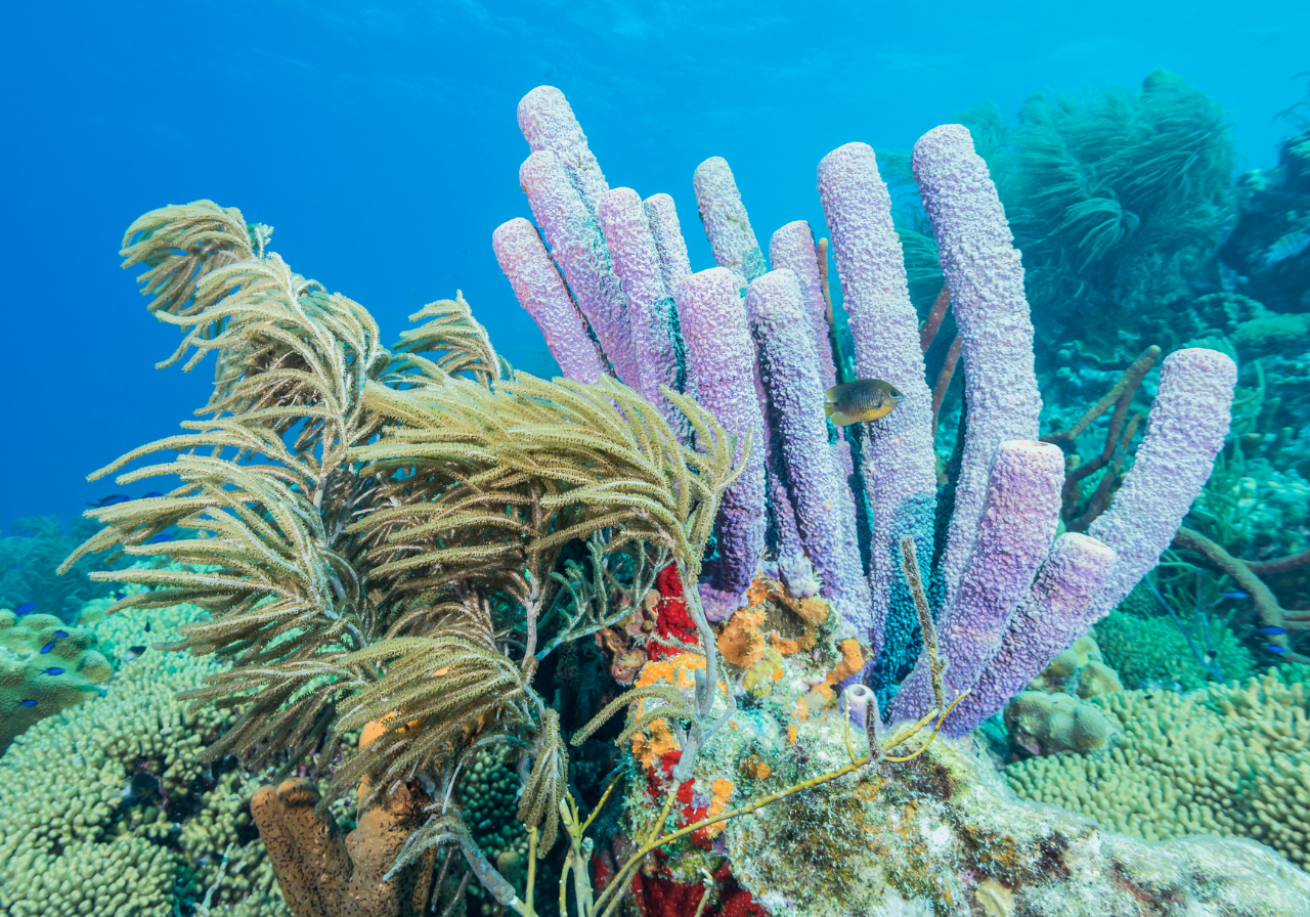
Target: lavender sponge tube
x,y
721,362
776,306
1019,518
985,279
540,290
898,462
1185,431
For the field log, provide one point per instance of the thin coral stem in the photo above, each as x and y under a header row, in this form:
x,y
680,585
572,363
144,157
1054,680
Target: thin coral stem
x,y
1272,614
1122,391
934,321
944,379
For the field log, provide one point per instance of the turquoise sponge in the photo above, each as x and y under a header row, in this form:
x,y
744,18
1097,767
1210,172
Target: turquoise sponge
x,y
45,666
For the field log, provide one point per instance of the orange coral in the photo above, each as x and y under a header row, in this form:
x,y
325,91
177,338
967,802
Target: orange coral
x,y
721,793
656,740
852,662
772,615
741,642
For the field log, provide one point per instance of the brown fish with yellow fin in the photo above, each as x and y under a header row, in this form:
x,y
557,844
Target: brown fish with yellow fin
x,y
860,401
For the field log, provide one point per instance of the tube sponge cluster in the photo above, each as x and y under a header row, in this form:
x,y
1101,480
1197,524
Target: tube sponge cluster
x,y
751,344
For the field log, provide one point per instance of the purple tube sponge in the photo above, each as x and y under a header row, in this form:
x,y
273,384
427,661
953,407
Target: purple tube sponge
x,y
1185,431
1020,514
792,247
985,279
664,226
547,122
721,362
578,247
652,315
776,306
1046,623
726,223
898,462
540,290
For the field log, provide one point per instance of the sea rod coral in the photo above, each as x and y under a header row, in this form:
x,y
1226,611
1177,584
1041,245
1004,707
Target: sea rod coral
x,y
421,542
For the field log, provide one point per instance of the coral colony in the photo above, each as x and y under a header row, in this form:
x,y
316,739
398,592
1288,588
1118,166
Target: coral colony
x,y
705,626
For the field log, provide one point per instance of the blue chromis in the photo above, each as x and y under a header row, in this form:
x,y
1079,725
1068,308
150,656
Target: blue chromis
x,y
27,703
1273,630
26,608
860,401
52,671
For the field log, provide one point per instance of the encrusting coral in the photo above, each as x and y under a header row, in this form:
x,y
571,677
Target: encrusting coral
x,y
399,540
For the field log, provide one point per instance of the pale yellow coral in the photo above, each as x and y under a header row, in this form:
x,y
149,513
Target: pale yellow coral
x,y
41,672
1230,760
72,847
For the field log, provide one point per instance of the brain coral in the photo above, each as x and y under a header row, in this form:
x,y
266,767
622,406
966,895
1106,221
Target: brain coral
x,y
36,684
1231,760
81,837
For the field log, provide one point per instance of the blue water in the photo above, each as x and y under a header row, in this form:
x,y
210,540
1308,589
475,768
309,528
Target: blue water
x,y
380,140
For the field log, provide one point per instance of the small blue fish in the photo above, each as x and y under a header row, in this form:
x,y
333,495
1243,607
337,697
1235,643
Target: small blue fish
x,y
61,634
1273,630
1275,649
147,627
26,608
1235,595
110,500
53,671
27,703
151,495
48,647
161,537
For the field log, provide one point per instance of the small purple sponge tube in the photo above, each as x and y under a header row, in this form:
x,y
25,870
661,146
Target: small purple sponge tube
x,y
1019,518
776,307
1046,623
898,459
792,247
578,247
985,280
1185,431
662,216
652,316
540,290
547,122
726,223
721,362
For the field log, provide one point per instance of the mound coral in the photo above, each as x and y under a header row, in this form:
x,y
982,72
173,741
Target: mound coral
x,y
45,666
